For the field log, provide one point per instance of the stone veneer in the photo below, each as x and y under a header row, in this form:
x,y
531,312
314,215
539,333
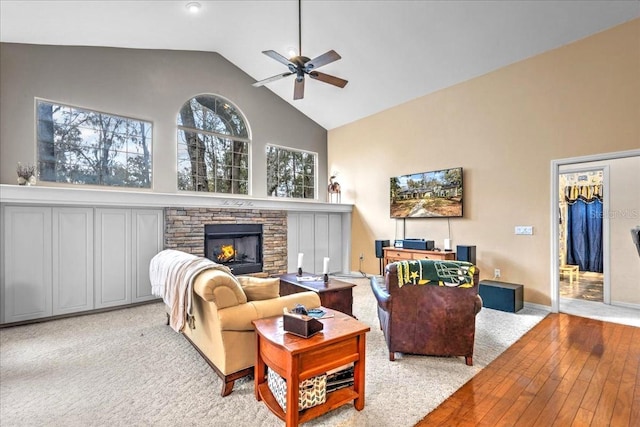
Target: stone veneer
x,y
184,230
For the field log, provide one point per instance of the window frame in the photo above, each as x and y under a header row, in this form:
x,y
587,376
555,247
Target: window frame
x,y
151,123
315,155
247,140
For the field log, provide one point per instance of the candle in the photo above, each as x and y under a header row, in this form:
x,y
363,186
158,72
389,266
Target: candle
x,y
325,269
300,255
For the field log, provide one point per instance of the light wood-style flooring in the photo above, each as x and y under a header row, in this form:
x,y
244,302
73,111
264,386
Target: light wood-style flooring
x,y
566,371
588,286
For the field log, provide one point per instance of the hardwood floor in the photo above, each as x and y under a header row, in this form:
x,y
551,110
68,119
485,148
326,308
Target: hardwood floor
x,y
566,371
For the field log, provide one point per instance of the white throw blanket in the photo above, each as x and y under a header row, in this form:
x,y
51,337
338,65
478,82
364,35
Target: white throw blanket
x,y
172,273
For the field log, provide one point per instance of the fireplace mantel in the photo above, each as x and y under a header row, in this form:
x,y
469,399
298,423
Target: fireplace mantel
x,y
64,196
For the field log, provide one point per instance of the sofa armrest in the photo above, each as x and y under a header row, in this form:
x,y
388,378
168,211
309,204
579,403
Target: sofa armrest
x,y
381,293
273,307
220,288
239,318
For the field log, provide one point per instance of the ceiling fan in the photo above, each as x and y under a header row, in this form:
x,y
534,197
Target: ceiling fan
x,y
302,65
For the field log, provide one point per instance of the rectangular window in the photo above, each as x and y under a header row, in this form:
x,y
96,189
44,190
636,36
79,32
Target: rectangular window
x,y
291,173
81,146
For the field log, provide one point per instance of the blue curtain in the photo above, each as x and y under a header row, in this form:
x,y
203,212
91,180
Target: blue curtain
x,y
584,234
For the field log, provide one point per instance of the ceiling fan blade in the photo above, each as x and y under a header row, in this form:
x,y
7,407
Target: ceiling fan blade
x,y
326,78
319,61
275,55
271,79
298,89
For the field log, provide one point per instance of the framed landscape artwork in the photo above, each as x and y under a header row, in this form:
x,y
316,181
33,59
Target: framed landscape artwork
x,y
434,194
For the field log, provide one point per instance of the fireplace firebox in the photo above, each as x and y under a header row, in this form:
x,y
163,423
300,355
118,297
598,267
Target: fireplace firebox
x,y
238,246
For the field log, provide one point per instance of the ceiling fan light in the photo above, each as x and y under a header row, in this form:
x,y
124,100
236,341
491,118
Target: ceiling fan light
x,y
291,51
193,6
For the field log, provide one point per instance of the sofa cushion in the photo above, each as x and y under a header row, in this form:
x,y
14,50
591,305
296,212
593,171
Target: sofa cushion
x,y
258,289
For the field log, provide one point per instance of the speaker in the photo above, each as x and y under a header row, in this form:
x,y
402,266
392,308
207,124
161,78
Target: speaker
x,y
421,244
380,244
501,296
466,253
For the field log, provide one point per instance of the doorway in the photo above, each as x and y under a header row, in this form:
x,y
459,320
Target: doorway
x,y
580,232
620,169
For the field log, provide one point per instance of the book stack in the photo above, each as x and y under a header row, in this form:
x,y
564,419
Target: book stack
x,y
340,378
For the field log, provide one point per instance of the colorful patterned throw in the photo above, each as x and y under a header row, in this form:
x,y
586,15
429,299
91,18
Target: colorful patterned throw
x,y
441,273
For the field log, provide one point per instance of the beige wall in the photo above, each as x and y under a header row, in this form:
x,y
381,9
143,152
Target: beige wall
x,y
503,128
624,214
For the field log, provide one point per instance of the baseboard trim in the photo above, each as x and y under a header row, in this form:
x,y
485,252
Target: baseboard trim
x,y
537,306
78,313
625,305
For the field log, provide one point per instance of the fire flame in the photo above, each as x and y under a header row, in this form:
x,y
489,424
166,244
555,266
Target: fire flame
x,y
226,253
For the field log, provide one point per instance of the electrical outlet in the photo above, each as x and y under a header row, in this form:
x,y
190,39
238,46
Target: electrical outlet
x,y
524,230
496,273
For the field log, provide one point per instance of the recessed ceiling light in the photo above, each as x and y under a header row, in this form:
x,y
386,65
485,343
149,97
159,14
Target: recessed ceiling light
x,y
193,6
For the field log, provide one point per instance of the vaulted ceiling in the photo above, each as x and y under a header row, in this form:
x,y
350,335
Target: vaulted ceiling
x,y
392,51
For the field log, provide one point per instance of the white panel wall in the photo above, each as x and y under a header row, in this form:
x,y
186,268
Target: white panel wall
x,y
27,263
72,260
318,235
113,257
147,230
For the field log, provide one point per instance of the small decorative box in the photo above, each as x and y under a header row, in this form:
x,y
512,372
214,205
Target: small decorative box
x,y
313,391
301,325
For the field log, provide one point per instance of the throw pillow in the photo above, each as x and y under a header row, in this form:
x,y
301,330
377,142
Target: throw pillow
x,y
257,288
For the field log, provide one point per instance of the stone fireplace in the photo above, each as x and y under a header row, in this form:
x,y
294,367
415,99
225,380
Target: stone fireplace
x,y
185,231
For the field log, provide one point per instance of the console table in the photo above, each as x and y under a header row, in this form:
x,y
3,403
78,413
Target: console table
x,y
399,254
342,341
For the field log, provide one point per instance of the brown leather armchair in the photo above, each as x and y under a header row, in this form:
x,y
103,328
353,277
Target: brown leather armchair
x,y
427,319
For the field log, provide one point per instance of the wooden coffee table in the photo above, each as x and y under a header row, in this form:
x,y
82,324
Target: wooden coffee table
x,y
294,358
334,294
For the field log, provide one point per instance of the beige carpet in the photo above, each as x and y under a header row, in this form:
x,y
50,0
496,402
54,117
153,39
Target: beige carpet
x,y
127,367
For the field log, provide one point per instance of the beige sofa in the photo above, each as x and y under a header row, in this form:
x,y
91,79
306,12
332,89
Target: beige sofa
x,y
223,307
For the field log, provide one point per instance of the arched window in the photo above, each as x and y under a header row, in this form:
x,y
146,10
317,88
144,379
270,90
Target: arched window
x,y
213,147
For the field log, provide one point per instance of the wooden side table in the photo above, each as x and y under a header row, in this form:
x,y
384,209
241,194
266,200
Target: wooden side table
x,y
342,341
335,294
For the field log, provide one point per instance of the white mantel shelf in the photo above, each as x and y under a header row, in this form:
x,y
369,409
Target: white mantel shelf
x,y
58,196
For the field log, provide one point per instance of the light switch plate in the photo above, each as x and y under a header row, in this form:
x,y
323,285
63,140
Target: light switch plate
x,y
524,230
